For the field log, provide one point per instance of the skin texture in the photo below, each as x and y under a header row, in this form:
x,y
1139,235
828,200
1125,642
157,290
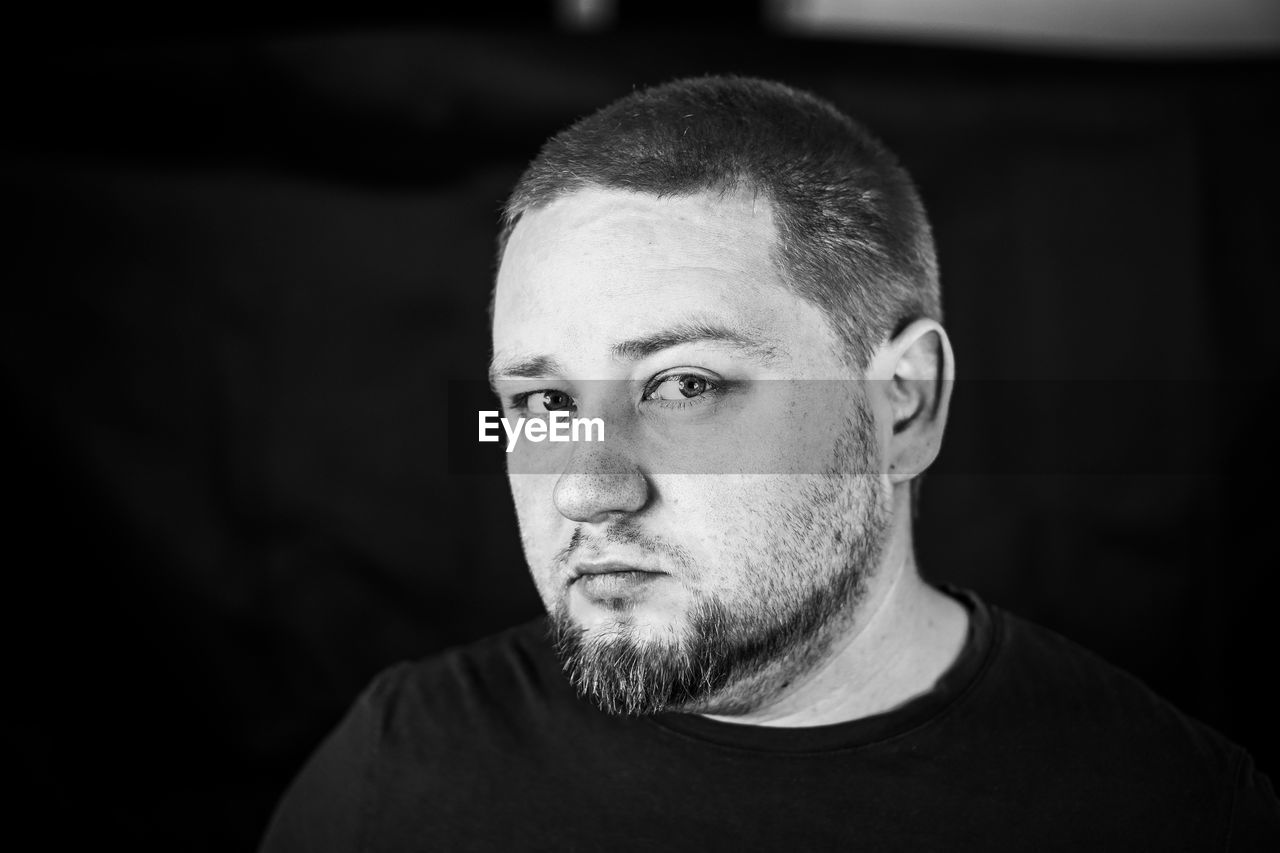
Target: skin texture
x,y
749,473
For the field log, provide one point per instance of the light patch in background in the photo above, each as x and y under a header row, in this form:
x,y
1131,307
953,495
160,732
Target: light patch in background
x,y
586,15
1197,27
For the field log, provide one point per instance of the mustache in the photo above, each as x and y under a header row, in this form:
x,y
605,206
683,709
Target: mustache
x,y
588,545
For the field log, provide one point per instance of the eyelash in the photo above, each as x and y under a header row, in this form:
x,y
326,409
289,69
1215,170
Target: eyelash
x,y
521,400
714,388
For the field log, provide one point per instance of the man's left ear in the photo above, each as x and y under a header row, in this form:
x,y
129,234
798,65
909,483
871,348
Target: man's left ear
x,y
913,374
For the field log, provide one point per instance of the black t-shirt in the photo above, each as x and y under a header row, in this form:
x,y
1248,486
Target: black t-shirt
x,y
1027,742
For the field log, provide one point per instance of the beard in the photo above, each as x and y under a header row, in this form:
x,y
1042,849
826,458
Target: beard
x,y
827,541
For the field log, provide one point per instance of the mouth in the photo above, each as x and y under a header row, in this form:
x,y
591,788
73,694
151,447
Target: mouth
x,y
592,570
613,583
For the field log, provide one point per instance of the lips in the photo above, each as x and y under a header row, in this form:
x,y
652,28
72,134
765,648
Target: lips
x,y
615,588
611,568
613,582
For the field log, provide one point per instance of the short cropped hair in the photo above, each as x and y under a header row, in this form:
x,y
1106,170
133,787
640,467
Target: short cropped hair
x,y
853,237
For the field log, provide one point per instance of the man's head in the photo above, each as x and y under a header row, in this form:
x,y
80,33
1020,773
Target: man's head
x,y
851,232
715,267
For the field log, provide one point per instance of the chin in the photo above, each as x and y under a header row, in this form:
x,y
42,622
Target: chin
x,y
641,625
641,661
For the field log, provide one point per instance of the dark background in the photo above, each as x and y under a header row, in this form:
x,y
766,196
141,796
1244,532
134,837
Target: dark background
x,y
243,263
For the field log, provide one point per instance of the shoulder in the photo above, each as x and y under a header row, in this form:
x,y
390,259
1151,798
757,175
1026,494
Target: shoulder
x,y
513,659
417,739
1050,676
1083,730
514,667
490,694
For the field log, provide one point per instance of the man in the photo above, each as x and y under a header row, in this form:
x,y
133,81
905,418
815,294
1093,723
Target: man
x,y
740,653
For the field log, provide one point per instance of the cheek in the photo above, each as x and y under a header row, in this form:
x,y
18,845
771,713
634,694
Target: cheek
x,y
724,521
540,533
535,511
753,537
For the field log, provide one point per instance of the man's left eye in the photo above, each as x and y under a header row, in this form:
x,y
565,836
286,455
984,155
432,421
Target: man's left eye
x,y
679,386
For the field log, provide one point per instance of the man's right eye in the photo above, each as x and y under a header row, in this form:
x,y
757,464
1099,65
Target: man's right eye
x,y
540,402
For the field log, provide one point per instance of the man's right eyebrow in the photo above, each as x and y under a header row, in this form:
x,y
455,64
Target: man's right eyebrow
x,y
533,367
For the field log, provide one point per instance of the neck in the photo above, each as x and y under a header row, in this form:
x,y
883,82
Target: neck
x,y
903,637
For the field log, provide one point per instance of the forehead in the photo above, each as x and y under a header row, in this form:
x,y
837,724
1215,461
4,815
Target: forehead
x,y
599,266
642,228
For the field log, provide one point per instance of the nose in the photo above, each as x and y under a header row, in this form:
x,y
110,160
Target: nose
x,y
598,484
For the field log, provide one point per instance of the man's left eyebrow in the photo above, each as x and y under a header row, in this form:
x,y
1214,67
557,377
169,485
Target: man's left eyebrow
x,y
692,333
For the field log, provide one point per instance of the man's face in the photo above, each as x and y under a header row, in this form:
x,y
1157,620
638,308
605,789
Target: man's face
x,y
725,528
